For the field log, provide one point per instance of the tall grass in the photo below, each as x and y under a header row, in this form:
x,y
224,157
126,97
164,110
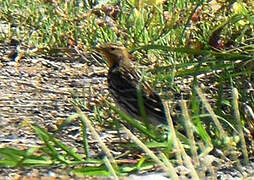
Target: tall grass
x,y
208,43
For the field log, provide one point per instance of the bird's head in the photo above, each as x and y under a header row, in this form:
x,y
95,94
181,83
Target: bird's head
x,y
114,53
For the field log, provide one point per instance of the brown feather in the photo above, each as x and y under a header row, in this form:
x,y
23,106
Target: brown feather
x,y
124,81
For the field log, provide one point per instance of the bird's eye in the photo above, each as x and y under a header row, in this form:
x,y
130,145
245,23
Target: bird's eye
x,y
112,49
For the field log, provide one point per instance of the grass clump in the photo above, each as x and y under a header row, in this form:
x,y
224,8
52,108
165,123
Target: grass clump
x,y
197,54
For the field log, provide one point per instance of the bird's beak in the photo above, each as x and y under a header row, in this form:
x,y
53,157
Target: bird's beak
x,y
103,50
100,49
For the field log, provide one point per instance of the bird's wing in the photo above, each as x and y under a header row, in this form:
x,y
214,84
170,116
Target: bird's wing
x,y
152,101
126,83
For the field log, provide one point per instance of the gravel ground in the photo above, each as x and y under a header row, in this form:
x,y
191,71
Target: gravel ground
x,y
38,90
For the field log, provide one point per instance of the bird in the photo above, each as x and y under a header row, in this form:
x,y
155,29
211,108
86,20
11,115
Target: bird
x,y
125,82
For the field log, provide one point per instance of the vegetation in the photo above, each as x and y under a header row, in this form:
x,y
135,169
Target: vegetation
x,y
204,45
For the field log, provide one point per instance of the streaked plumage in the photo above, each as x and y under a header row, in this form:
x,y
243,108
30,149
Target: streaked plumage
x,y
123,82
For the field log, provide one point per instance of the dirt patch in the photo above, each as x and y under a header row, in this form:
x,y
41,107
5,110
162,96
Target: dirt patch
x,y
39,90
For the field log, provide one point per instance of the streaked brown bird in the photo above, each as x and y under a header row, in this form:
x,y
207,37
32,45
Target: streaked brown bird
x,y
125,82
